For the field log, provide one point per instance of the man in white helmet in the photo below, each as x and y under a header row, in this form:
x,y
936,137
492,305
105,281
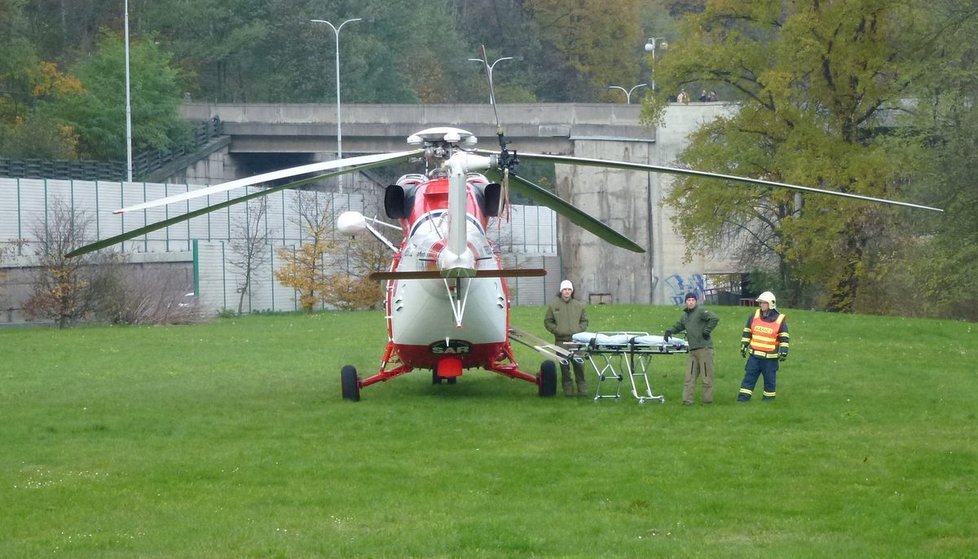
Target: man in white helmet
x,y
567,316
765,344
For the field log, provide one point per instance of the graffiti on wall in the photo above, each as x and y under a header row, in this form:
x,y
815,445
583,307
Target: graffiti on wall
x,y
676,287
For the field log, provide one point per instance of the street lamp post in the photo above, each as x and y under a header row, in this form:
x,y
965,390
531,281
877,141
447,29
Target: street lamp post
x,y
128,104
339,122
627,92
650,46
489,67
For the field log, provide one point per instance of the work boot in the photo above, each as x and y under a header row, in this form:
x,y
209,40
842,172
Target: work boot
x,y
568,389
582,388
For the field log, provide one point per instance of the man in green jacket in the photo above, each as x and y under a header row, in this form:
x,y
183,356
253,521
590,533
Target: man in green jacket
x,y
698,324
567,316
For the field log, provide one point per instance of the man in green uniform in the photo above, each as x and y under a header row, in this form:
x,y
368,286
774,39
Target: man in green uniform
x,y
567,316
698,324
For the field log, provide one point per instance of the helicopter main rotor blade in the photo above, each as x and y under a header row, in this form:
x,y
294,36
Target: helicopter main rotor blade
x,y
348,165
568,160
437,274
196,213
576,216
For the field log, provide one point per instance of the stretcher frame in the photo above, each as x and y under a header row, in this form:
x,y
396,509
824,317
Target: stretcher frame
x,y
619,359
562,355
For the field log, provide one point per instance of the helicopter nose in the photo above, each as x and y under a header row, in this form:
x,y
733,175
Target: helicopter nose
x,y
456,265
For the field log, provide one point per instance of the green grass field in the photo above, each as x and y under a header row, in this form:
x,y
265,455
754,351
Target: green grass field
x,y
230,439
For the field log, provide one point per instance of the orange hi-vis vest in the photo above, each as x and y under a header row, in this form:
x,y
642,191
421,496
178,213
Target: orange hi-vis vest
x,y
764,335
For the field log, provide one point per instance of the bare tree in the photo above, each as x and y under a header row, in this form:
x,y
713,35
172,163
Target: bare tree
x,y
152,296
10,247
124,293
102,286
60,283
249,247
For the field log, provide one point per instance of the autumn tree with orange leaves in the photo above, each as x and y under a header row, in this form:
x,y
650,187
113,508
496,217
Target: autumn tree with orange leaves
x,y
304,268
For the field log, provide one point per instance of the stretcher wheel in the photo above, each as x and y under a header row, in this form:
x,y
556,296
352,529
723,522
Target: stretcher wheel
x,y
547,380
351,385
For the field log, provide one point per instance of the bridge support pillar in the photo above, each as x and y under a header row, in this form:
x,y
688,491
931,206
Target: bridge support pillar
x,y
624,202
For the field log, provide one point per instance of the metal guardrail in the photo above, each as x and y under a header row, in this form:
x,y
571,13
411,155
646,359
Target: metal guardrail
x,y
142,164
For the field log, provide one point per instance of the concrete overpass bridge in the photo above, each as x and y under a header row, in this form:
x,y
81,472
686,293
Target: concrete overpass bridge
x,y
262,137
311,128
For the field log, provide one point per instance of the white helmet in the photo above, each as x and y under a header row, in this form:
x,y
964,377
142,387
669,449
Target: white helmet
x,y
768,297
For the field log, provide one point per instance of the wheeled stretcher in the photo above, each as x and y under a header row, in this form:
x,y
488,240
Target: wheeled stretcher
x,y
615,355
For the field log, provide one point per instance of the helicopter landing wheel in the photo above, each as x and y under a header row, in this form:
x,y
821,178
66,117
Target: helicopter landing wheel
x,y
351,385
547,379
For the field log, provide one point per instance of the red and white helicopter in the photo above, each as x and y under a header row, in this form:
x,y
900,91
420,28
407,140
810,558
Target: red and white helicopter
x,y
447,301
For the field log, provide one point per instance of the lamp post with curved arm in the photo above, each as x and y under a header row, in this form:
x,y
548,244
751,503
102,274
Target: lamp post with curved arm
x,y
627,92
489,67
339,122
